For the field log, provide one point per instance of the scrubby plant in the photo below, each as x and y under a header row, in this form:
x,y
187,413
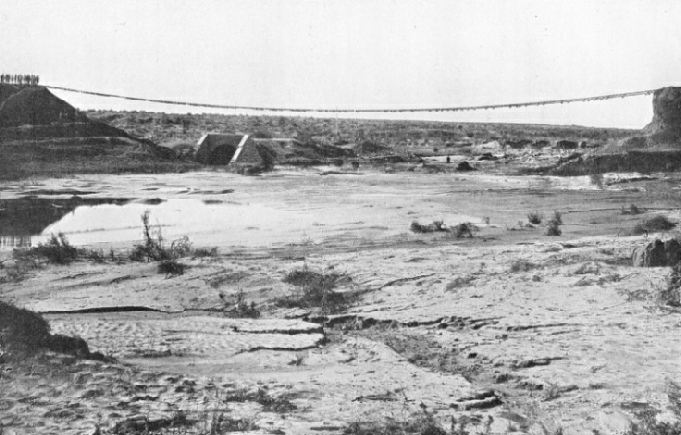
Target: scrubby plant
x,y
633,210
464,228
56,249
557,217
534,218
171,267
654,224
205,252
430,228
317,289
458,231
553,228
153,248
240,309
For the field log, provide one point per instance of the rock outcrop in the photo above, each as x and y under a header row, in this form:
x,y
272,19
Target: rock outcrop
x,y
666,123
657,254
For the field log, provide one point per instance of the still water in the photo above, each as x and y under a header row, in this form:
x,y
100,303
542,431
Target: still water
x,y
204,222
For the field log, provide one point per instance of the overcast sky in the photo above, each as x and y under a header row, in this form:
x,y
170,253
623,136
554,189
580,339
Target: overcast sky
x,y
358,54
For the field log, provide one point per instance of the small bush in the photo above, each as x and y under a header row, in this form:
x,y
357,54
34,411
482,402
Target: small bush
x,y
430,228
171,267
534,218
462,229
553,229
654,224
153,249
57,250
597,180
241,309
205,252
317,290
459,230
633,210
557,217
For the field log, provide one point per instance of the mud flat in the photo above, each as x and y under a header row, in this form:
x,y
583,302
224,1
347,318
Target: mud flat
x,y
508,331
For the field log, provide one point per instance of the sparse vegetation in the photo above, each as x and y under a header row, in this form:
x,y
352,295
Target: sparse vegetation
x,y
240,309
171,267
557,217
654,224
458,231
205,252
535,218
153,248
56,250
317,289
553,229
632,210
430,228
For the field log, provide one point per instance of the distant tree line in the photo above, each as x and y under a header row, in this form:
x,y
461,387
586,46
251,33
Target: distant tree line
x,y
20,79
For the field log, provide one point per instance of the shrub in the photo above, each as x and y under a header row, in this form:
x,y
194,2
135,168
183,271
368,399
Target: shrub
x,y
241,308
656,223
557,217
153,248
458,230
171,267
534,218
57,250
631,210
205,252
317,290
430,228
464,228
553,228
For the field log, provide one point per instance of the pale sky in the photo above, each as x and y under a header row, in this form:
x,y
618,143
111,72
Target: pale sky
x,y
353,53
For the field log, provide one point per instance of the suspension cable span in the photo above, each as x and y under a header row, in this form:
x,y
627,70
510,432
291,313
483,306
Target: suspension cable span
x,y
299,110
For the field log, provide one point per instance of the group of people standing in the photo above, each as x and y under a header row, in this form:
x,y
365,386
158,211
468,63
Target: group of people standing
x,y
20,79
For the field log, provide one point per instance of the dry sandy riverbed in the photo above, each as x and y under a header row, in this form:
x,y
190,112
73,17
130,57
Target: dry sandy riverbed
x,y
574,340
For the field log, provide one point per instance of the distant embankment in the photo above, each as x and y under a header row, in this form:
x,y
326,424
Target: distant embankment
x,y
645,161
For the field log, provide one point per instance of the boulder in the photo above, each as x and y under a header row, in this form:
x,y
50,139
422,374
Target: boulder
x,y
672,248
653,255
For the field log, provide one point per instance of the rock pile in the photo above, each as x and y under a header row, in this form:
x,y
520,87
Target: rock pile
x,y
657,254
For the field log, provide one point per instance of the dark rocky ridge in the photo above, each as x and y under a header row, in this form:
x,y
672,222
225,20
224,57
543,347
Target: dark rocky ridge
x,y
666,123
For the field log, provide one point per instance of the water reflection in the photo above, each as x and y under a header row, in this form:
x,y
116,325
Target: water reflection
x,y
205,222
11,242
21,220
